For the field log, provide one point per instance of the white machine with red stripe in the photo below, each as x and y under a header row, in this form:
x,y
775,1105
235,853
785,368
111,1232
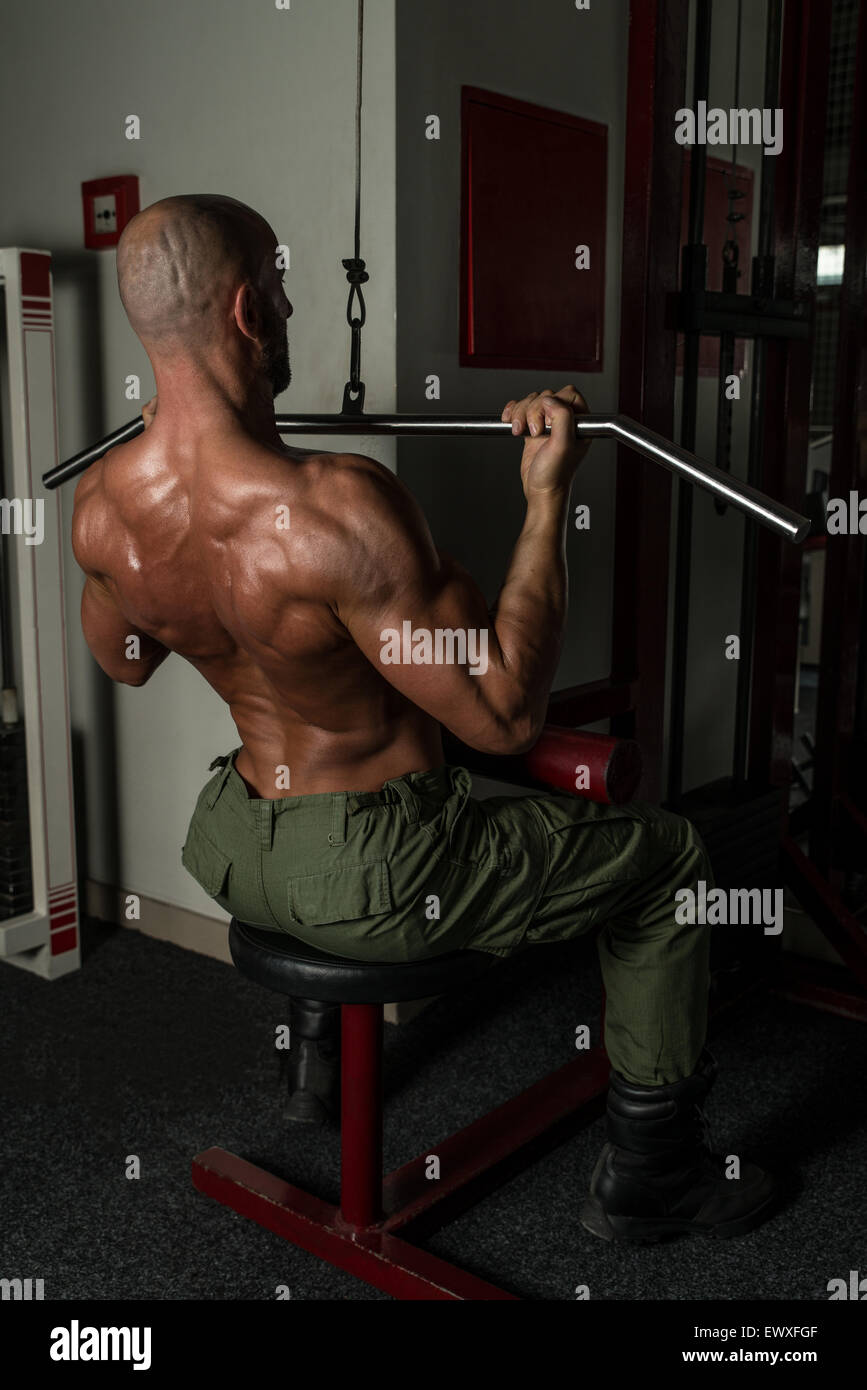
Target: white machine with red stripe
x,y
44,938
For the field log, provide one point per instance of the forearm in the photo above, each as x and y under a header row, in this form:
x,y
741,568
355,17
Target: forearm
x,y
530,616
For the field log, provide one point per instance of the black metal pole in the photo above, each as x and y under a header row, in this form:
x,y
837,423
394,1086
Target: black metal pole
x,y
693,278
762,288
782,520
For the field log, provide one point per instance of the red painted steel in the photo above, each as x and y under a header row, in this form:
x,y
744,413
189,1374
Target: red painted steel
x,y
649,274
595,700
807,983
473,1161
361,1115
380,1259
500,1135
852,813
826,908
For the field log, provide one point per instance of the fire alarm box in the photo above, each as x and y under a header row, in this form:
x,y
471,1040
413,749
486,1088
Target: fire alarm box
x,y
108,205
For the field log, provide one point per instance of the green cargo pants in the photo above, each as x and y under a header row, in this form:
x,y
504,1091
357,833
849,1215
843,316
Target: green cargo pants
x,y
422,867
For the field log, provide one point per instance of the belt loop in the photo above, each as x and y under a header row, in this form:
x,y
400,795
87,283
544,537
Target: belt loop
x,y
338,819
227,764
266,824
411,804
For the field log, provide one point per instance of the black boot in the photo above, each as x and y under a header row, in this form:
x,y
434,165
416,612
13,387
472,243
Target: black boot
x,y
314,1062
657,1175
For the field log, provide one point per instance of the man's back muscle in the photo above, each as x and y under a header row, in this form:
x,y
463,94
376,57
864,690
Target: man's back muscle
x,y
230,560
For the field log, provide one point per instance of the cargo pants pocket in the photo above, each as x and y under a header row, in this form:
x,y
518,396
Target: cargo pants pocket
x,y
207,863
339,895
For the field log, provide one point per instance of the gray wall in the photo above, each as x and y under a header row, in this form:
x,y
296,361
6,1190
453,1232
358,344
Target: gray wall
x,y
471,492
236,98
575,62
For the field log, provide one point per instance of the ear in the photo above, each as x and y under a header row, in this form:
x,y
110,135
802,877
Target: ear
x,y
247,315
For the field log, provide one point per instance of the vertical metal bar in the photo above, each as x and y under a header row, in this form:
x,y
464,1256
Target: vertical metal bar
x,y
762,288
653,178
694,277
797,216
361,1115
842,623
731,274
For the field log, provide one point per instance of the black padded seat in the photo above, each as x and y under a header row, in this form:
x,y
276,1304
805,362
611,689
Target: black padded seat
x,y
282,962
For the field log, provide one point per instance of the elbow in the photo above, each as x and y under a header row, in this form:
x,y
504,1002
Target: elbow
x,y
525,738
523,734
136,678
521,725
509,737
505,729
129,674
139,672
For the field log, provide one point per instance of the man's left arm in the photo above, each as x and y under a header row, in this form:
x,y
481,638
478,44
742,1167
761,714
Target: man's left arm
x,y
124,652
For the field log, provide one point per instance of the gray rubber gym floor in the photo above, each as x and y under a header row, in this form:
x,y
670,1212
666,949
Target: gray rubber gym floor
x,y
156,1052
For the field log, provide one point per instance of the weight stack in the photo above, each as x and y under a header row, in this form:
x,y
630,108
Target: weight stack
x,y
741,828
16,882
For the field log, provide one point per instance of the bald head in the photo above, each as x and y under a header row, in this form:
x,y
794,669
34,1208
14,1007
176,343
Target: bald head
x,y
179,261
180,265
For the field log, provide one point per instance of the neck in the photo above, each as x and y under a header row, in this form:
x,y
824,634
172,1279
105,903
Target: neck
x,y
198,401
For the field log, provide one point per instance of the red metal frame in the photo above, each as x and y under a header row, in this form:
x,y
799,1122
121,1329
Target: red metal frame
x,y
803,982
836,822
649,274
360,1235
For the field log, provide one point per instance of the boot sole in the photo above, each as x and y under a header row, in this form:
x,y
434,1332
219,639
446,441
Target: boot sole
x,y
649,1230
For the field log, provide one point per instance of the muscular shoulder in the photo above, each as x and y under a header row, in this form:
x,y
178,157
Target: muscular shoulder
x,y
319,527
87,518
380,532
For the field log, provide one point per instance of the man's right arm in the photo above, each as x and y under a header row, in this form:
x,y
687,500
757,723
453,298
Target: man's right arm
x,y
396,576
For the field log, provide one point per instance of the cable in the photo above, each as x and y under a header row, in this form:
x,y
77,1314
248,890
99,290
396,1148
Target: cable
x,y
356,273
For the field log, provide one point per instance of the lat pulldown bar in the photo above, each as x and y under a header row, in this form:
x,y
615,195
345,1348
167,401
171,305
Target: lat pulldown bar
x,y
748,499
